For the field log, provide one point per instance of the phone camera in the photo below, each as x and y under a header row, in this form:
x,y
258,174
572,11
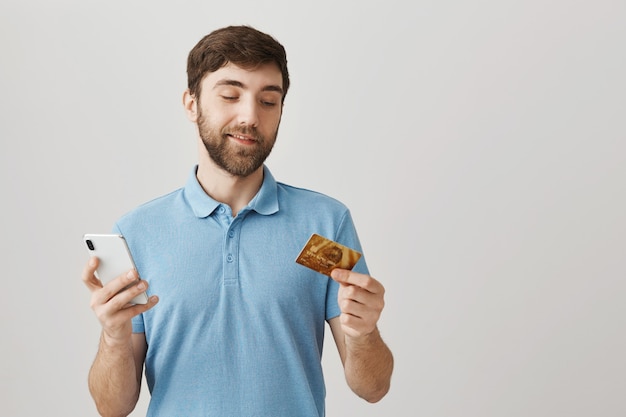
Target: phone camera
x,y
89,244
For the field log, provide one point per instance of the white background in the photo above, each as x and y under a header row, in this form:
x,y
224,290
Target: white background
x,y
481,146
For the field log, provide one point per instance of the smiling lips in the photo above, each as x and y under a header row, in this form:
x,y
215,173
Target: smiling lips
x,y
243,139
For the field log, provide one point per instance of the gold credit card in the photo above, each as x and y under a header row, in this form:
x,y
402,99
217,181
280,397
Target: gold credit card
x,y
323,255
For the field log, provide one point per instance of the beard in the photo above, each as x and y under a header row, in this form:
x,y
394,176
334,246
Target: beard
x,y
237,160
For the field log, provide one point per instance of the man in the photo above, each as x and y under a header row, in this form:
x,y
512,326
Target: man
x,y
239,325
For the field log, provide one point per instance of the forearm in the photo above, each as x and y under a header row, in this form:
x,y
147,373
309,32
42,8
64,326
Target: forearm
x,y
368,366
113,381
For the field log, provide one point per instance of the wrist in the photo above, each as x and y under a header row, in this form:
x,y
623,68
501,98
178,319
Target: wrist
x,y
360,340
114,342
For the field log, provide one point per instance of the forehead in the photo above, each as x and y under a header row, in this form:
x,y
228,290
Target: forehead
x,y
256,79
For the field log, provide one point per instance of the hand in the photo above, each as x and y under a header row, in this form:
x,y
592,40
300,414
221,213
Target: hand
x,y
361,300
113,307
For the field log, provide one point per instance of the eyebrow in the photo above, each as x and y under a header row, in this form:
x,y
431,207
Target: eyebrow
x,y
235,83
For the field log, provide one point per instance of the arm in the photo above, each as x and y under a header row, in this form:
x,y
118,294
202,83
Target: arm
x,y
115,376
367,361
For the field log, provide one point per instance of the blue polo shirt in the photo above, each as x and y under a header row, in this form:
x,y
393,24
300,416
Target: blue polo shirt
x,y
239,327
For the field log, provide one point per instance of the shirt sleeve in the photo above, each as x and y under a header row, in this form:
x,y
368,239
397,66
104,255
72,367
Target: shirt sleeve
x,y
346,235
138,326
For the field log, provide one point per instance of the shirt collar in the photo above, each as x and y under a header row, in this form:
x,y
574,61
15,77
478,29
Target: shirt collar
x,y
265,202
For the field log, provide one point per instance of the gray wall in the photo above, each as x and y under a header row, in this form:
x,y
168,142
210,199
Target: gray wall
x,y
480,145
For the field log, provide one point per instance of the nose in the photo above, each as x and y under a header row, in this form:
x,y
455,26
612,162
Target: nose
x,y
248,112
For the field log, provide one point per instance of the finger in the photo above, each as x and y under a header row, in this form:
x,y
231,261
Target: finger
x,y
112,288
344,276
130,311
124,298
112,320
360,302
106,306
358,294
351,307
356,326
88,275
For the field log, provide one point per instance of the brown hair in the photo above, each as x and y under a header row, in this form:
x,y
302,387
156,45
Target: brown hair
x,y
243,46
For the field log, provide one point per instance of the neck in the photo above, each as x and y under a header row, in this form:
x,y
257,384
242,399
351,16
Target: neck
x,y
226,188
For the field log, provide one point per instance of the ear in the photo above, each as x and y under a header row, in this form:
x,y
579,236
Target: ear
x,y
191,106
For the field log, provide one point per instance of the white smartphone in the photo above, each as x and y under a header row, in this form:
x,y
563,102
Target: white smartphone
x,y
115,258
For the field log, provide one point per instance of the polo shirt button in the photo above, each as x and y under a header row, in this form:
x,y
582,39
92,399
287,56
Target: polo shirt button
x,y
231,234
222,209
230,258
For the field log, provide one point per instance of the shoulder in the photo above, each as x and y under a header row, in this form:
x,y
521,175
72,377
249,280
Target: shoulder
x,y
289,194
157,208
